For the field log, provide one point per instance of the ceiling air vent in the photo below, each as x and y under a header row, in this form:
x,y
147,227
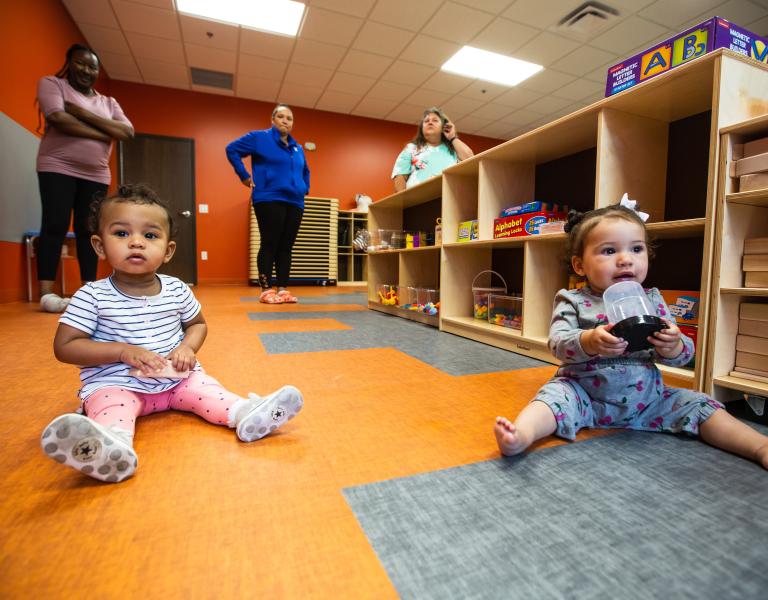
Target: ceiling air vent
x,y
215,79
588,19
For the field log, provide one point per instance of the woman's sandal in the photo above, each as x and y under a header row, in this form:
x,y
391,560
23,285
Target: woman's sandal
x,y
287,297
270,296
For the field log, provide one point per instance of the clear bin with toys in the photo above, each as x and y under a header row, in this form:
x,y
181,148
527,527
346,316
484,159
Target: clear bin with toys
x,y
409,298
506,311
388,294
480,293
429,301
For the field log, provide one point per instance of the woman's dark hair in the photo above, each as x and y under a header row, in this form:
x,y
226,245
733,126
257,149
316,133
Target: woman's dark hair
x,y
420,141
278,107
136,193
579,225
63,73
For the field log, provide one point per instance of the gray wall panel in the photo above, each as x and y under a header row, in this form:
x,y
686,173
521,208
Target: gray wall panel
x,y
19,193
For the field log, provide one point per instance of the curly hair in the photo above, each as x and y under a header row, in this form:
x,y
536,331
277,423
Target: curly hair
x,y
420,141
135,193
579,225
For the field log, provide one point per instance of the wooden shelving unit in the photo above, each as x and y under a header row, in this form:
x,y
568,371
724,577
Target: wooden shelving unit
x,y
352,264
659,142
740,215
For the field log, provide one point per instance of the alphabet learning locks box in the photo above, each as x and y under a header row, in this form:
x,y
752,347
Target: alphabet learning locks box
x,y
692,43
525,224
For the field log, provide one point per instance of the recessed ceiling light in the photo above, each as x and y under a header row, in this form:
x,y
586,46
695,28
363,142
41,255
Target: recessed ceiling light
x,y
489,66
273,16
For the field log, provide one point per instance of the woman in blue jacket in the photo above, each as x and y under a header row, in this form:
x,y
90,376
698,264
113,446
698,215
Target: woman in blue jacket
x,y
279,180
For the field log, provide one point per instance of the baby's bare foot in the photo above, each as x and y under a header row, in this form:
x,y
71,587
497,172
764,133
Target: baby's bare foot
x,y
511,440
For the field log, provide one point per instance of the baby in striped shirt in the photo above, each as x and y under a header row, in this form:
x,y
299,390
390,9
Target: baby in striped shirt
x,y
135,336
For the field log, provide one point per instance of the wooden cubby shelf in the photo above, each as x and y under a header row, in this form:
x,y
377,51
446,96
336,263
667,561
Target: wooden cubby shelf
x,y
662,142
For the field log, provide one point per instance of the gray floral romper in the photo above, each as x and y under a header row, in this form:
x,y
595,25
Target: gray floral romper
x,y
621,392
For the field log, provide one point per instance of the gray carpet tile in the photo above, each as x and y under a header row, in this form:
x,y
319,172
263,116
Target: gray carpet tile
x,y
370,329
629,516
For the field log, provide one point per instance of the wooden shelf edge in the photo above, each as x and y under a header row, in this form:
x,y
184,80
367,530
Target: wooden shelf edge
x,y
745,291
404,250
678,372
741,385
753,198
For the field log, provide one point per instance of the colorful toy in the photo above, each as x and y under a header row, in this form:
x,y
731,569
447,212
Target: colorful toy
x,y
389,299
505,311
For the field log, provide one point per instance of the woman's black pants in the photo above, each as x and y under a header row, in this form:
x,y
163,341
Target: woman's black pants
x,y
278,227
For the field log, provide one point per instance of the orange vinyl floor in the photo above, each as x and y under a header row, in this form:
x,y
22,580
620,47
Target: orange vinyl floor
x,y
206,516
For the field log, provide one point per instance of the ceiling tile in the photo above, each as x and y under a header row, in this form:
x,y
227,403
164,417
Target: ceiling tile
x,y
259,43
214,59
493,111
503,36
456,23
672,14
326,26
104,39
547,81
263,68
351,84
195,31
540,14
92,13
375,107
364,63
483,90
389,90
738,11
548,104
162,73
317,54
120,66
429,51
546,48
337,101
405,14
576,90
494,130
408,72
147,20
407,113
458,107
583,60
145,46
357,8
446,82
297,94
427,98
521,117
759,27
491,6
257,88
601,73
517,97
308,76
631,32
472,124
382,39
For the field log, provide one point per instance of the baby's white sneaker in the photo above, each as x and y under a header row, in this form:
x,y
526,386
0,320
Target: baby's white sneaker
x,y
267,414
53,303
97,451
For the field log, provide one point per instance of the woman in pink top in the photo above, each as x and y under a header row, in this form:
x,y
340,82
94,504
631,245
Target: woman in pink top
x,y
73,163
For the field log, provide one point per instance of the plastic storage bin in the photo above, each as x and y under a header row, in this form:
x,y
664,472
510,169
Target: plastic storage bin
x,y
480,294
506,311
388,294
429,300
409,298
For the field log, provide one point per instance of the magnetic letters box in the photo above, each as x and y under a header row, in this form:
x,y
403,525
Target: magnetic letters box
x,y
694,42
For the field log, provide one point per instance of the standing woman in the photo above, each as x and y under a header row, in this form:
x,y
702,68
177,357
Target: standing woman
x,y
436,147
279,180
73,163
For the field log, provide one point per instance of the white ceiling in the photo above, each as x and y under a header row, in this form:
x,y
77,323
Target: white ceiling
x,y
381,58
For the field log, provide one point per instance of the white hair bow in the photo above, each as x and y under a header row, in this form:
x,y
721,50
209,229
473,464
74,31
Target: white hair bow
x,y
630,204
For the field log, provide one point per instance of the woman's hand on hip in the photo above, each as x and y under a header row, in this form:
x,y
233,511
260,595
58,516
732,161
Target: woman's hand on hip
x,y
247,182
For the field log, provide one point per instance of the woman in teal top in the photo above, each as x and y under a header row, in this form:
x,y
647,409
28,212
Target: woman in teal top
x,y
435,147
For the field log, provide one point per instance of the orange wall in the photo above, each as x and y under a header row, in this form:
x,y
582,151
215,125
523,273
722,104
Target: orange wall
x,y
354,155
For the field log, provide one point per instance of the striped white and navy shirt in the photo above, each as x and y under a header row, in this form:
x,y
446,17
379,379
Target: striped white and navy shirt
x,y
152,322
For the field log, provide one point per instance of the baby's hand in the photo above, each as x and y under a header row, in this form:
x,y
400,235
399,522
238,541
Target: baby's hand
x,y
667,341
149,363
182,358
600,341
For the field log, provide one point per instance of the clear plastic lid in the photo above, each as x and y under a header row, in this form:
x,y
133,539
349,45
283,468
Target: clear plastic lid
x,y
624,300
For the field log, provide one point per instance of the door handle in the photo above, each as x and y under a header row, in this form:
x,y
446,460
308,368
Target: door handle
x,y
185,213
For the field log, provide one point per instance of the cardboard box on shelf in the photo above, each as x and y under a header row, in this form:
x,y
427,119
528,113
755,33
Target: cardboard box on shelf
x,y
524,224
468,230
535,206
755,262
753,181
755,345
756,246
684,305
754,311
756,279
753,327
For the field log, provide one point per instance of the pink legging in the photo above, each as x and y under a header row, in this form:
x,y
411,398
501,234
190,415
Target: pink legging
x,y
199,393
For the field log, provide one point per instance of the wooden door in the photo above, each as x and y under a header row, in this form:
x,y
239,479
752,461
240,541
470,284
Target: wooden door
x,y
167,165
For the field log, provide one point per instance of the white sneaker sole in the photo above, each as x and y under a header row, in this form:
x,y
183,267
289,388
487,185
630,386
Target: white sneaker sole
x,y
53,303
275,411
78,442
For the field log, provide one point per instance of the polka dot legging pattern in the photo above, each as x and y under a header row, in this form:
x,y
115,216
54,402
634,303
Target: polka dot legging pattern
x,y
199,393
